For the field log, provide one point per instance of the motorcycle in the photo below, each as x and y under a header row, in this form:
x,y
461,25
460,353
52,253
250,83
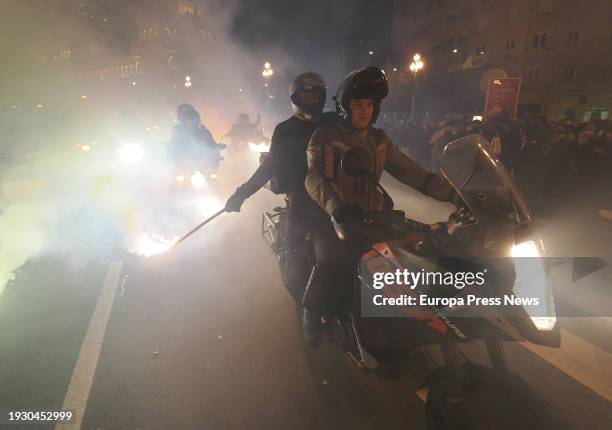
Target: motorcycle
x,y
492,232
252,138
194,173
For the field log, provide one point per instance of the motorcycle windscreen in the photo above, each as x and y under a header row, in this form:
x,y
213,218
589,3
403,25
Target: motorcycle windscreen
x,y
479,177
499,208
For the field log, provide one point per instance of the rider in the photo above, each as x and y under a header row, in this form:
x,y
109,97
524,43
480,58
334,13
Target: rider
x,y
191,140
243,129
286,167
347,198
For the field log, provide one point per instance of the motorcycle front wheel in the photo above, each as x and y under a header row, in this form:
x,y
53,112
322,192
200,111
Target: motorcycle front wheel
x,y
492,400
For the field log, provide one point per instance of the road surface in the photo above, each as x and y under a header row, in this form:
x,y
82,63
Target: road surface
x,y
205,337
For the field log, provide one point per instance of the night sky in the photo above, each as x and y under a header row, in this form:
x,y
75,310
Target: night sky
x,y
314,31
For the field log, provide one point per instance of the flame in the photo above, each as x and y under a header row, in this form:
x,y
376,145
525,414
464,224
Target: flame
x,y
259,147
148,245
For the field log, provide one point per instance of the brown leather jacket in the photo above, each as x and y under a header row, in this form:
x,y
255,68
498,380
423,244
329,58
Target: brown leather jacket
x,y
329,186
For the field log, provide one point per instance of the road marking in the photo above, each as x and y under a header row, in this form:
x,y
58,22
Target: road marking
x,y
85,368
583,361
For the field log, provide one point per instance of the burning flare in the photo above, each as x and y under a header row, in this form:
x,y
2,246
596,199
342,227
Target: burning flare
x,y
148,245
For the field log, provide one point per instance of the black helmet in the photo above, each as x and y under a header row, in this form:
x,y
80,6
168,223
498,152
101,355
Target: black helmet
x,y
186,112
368,83
243,118
308,81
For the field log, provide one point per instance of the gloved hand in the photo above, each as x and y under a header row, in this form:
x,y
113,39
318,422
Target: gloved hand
x,y
234,203
345,212
351,222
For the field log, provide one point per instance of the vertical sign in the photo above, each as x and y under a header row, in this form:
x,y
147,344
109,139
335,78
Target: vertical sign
x,y
502,94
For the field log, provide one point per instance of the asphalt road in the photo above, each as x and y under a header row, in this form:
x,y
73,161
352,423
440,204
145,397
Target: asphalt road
x,y
205,337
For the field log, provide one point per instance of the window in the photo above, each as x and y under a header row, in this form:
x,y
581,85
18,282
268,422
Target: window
x,y
481,50
539,40
466,12
509,45
545,6
569,74
604,74
513,14
532,75
573,38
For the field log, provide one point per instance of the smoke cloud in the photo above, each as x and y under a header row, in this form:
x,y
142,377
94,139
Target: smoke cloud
x,y
63,187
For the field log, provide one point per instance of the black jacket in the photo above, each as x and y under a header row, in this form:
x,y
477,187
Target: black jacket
x,y
287,158
192,143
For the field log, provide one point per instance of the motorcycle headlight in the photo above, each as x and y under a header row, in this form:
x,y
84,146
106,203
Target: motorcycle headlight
x,y
259,147
198,180
525,249
544,323
131,153
532,281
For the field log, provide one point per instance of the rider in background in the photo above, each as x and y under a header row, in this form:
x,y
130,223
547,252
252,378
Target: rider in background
x,y
243,130
191,140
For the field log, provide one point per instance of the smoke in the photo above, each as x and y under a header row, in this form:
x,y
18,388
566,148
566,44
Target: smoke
x,y
63,187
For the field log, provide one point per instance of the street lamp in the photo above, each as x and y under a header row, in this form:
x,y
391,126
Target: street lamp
x,y
416,65
267,73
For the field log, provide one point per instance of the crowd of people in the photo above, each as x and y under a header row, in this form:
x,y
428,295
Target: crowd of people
x,y
555,163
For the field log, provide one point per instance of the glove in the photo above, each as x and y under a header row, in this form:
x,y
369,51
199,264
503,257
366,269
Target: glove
x,y
234,203
345,212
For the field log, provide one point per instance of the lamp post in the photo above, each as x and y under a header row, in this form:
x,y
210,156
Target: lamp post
x,y
267,73
416,65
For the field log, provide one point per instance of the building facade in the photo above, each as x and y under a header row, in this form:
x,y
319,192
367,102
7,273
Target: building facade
x,y
562,50
109,52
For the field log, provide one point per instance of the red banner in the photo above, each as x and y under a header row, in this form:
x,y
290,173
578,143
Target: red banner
x,y
502,94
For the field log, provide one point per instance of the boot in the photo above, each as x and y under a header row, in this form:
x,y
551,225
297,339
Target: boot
x,y
313,303
312,328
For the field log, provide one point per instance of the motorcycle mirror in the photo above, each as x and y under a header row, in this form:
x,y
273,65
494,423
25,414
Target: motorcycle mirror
x,y
357,162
